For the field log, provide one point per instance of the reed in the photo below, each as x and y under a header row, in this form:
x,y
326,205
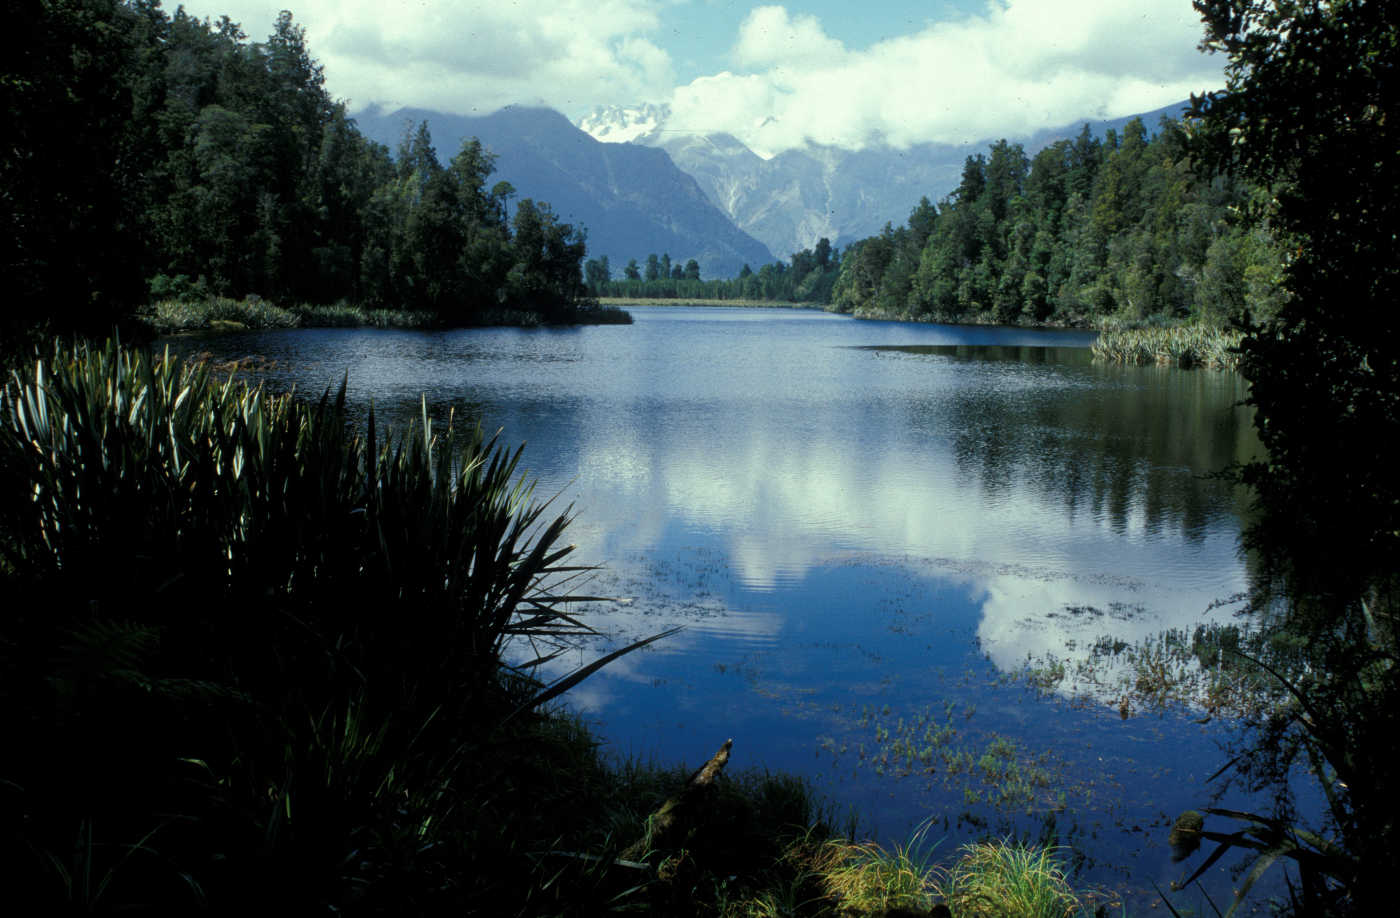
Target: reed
x,y
1176,345
221,313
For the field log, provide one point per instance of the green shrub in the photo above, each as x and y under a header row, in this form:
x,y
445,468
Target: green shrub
x,y
245,646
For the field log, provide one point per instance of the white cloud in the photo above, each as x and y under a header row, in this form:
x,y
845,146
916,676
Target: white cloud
x,y
466,56
1019,66
770,37
1016,66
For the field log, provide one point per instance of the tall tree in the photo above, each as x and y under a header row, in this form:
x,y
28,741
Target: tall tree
x,y
1310,112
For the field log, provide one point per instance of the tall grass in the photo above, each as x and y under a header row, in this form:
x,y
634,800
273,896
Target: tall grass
x,y
865,878
1005,880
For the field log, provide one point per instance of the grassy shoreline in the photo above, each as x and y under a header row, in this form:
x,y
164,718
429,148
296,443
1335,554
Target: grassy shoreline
x,y
224,314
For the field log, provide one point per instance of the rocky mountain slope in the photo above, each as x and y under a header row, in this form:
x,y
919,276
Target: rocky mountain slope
x,y
631,198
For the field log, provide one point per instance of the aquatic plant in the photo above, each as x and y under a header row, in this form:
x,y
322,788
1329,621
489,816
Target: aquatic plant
x,y
1176,345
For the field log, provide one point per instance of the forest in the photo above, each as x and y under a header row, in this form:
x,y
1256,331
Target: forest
x,y
1129,226
157,155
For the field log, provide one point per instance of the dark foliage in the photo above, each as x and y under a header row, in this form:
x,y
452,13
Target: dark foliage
x,y
1309,112
153,155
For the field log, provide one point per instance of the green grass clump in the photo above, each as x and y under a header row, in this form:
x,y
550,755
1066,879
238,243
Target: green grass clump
x,y
1005,880
217,312
343,315
865,878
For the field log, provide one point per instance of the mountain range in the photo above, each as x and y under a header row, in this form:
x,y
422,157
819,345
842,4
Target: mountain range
x,y
639,188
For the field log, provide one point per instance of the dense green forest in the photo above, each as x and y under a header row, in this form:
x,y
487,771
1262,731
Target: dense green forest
x,y
808,277
1128,226
1125,226
159,155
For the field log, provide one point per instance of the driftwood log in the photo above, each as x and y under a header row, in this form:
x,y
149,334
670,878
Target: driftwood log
x,y
680,815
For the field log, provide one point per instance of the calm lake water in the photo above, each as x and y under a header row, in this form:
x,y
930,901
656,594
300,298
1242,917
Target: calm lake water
x,y
867,529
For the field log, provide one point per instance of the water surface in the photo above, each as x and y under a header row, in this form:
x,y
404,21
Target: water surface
x,y
867,529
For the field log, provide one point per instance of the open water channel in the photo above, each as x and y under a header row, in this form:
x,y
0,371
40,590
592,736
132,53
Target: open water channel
x,y
868,530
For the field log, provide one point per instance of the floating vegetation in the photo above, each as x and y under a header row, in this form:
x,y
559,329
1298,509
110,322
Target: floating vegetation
x,y
1206,668
1179,345
991,771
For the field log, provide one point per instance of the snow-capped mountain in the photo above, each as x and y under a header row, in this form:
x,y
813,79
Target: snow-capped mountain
x,y
623,124
791,200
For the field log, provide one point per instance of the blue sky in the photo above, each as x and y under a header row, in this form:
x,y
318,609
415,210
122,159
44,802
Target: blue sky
x,y
700,35
775,75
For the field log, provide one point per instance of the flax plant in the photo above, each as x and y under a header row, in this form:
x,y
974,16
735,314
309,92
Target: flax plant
x,y
230,607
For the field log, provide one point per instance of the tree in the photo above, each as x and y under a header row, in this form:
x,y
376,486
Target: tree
x,y
1309,112
1325,375
73,161
632,272
595,274
653,267
692,270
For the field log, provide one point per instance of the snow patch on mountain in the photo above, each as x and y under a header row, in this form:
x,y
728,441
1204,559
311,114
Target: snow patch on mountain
x,y
624,123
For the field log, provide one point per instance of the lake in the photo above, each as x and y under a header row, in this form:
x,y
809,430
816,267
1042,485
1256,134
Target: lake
x,y
899,551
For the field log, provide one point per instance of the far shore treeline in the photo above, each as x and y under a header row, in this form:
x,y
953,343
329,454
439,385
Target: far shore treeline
x,y
1125,227
159,156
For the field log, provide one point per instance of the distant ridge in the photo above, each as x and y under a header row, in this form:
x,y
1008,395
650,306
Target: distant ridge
x,y
632,199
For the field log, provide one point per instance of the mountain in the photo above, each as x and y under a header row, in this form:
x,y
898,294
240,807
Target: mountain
x,y
631,198
793,199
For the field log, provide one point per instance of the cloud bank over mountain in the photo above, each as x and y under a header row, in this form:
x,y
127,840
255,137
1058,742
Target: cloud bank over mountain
x,y
777,76
1017,67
